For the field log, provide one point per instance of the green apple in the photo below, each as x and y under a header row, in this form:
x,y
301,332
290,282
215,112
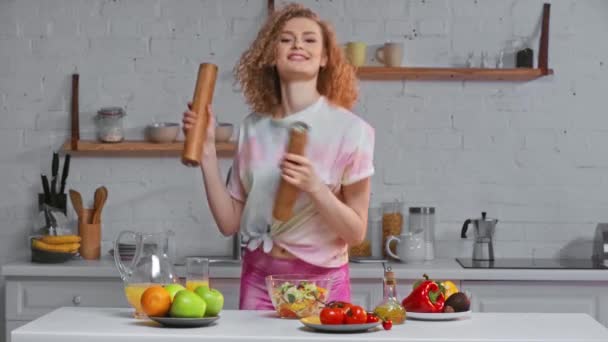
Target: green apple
x,y
214,299
174,288
188,304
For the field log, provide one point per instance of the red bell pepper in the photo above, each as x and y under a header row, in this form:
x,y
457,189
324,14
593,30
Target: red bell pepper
x,y
426,297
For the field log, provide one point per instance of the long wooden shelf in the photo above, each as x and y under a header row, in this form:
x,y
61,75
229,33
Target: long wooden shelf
x,y
456,74
134,147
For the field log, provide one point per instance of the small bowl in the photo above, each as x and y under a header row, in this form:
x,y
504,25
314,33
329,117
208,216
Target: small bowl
x,y
48,257
162,132
223,131
291,296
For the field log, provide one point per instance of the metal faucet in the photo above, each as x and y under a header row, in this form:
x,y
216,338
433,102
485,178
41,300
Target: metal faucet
x,y
237,247
237,243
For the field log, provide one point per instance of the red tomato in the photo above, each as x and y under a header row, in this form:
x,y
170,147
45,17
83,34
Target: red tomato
x,y
339,305
372,318
355,315
332,316
387,325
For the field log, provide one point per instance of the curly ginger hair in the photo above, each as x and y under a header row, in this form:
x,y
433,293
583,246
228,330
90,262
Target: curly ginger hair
x,y
259,78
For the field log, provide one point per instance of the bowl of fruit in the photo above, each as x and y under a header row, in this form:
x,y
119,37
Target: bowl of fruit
x,y
173,305
298,296
53,249
437,300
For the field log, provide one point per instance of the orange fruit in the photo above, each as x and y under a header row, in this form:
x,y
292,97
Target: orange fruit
x,y
156,301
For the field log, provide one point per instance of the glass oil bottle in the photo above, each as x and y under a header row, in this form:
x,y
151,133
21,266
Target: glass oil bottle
x,y
390,308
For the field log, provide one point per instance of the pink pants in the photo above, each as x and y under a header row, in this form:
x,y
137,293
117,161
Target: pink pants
x,y
257,265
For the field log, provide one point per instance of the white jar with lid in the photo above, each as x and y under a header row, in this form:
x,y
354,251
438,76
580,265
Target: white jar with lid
x,y
422,221
110,125
374,232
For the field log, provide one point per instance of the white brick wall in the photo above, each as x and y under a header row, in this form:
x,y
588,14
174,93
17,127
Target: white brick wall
x,y
532,154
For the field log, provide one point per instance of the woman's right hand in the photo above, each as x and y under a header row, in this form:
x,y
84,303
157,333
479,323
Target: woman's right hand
x,y
189,121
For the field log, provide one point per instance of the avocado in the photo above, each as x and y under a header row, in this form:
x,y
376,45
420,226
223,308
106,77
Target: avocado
x,y
458,302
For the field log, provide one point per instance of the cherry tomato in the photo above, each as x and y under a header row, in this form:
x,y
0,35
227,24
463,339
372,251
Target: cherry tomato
x,y
287,313
387,325
332,316
355,315
372,318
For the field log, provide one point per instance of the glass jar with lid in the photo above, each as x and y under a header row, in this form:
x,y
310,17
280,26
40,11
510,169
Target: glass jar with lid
x,y
110,124
422,222
392,222
374,232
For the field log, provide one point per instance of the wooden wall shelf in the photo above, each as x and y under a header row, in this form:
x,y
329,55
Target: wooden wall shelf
x,y
131,147
75,145
456,74
463,74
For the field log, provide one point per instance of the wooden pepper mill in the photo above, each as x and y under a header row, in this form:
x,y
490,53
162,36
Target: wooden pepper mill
x,y
203,94
287,194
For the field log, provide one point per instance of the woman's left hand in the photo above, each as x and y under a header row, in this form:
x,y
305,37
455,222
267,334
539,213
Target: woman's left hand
x,y
298,171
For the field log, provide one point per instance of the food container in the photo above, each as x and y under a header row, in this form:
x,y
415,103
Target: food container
x,y
374,232
372,245
110,124
422,221
162,132
362,250
298,296
392,221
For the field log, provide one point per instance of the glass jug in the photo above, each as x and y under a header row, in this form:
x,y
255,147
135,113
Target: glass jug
x,y
150,264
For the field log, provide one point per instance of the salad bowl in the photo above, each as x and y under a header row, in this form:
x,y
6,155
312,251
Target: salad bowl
x,y
298,296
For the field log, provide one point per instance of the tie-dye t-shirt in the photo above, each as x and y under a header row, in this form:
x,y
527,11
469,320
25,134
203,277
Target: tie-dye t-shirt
x,y
340,147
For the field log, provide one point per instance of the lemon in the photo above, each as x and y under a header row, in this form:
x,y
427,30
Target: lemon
x,y
449,288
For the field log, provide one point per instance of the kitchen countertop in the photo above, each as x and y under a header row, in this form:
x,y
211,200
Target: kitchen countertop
x,y
438,269
96,324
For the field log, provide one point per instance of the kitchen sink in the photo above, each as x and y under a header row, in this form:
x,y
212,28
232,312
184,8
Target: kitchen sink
x,y
213,260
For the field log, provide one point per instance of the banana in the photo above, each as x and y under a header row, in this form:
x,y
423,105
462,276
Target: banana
x,y
59,248
60,239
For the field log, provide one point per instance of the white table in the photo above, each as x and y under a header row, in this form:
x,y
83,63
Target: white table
x,y
70,324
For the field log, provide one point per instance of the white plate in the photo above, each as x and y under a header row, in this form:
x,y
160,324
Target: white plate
x,y
313,322
438,316
185,322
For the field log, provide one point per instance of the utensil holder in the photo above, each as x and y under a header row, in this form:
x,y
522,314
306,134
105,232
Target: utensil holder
x,y
90,233
59,201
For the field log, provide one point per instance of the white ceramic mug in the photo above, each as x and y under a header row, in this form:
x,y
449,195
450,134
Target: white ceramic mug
x,y
410,247
390,54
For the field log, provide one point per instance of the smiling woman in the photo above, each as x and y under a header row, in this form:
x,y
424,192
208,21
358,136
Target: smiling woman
x,y
294,73
257,70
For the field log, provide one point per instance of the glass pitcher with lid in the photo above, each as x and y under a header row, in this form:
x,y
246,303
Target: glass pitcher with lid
x,y
143,263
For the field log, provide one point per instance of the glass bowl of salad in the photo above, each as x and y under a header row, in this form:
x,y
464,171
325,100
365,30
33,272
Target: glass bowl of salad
x,y
298,296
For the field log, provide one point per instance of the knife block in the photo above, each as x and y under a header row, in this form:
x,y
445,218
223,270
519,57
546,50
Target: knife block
x,y
60,202
90,234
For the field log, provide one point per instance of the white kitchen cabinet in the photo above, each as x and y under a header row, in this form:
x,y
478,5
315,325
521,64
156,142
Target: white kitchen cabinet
x,y
33,290
30,298
366,292
230,288
540,296
10,326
